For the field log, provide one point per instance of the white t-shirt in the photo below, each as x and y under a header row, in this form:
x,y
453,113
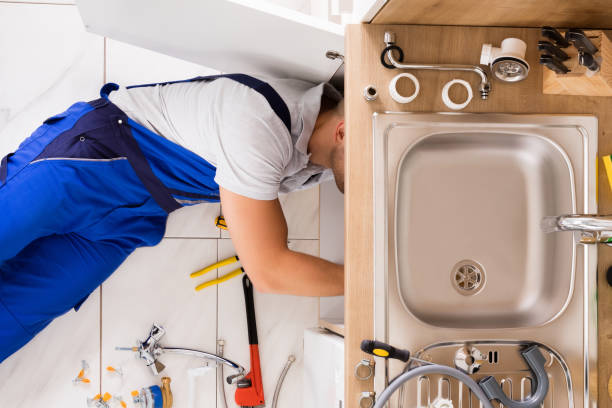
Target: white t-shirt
x,y
234,128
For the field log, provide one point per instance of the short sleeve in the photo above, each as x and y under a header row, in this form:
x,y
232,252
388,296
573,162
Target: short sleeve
x,y
254,145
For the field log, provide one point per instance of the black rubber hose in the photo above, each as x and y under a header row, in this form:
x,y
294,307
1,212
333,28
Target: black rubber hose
x,y
391,48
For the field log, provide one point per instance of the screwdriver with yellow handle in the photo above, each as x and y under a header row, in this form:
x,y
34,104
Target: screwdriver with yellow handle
x,y
380,349
216,265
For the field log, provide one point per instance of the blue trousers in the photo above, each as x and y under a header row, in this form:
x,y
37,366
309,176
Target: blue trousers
x,y
79,195
84,191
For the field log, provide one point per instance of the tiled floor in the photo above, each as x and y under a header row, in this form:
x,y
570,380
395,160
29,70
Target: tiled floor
x,y
49,62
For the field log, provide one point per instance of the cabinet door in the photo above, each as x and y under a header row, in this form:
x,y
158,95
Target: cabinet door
x,y
227,35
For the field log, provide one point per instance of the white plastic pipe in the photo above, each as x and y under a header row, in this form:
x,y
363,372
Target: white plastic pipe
x,y
192,375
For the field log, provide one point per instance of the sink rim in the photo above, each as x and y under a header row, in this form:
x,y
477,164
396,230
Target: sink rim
x,y
411,334
571,173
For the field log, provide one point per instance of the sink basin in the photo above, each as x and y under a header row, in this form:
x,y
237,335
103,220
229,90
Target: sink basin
x,y
480,196
461,260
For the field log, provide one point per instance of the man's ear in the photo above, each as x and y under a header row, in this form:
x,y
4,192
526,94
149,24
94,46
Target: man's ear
x,y
339,133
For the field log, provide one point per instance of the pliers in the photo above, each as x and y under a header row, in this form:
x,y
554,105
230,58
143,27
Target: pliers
x,y
216,265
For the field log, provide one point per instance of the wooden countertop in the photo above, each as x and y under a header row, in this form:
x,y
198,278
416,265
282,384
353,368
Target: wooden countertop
x,y
437,44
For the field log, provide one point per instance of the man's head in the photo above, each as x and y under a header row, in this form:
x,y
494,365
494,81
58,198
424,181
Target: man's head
x,y
326,144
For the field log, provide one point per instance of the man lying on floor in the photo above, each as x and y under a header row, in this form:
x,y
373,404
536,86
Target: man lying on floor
x,y
97,181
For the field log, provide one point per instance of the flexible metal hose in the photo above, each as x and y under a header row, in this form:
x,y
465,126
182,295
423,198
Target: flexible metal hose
x,y
221,375
279,383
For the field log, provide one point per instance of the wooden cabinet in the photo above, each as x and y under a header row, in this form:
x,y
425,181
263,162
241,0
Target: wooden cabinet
x,y
454,45
499,13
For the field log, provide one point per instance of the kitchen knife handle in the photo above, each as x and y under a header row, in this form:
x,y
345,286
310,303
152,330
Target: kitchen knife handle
x,y
554,64
577,37
550,48
553,34
588,61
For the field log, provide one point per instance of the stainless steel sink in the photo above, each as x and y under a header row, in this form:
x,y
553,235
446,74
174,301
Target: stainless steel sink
x,y
460,256
478,198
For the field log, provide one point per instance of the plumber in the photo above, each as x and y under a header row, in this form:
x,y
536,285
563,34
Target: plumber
x,y
97,181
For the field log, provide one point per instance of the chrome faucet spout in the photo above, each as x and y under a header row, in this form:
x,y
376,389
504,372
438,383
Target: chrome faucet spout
x,y
594,228
485,83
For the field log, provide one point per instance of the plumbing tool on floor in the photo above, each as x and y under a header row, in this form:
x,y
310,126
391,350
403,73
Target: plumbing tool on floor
x,y
118,371
154,396
220,222
150,350
281,379
249,389
106,401
216,265
100,401
82,375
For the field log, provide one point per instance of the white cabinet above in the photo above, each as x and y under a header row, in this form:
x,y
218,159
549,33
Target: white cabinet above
x,y
254,37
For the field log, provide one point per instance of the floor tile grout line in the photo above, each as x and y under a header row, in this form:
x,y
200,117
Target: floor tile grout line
x,y
100,354
217,335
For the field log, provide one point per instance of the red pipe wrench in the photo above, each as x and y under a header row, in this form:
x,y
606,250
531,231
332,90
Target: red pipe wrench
x,y
249,391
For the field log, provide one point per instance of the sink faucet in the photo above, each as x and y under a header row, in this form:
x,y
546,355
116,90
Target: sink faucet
x,y
594,228
485,83
150,350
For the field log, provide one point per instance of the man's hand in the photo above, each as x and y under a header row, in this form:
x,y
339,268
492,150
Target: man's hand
x,y
259,234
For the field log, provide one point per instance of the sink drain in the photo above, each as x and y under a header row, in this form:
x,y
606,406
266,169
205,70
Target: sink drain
x,y
468,277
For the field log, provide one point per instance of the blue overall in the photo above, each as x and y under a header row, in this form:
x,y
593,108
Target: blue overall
x,y
79,195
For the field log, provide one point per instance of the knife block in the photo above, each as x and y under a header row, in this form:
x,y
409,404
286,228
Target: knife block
x,y
576,82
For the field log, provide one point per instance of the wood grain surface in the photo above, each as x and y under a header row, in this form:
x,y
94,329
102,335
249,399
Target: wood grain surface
x,y
436,44
498,13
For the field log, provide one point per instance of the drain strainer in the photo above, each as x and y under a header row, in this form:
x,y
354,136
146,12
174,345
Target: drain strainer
x,y
468,277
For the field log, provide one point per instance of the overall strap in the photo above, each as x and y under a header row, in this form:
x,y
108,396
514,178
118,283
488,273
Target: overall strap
x,y
274,99
4,168
126,145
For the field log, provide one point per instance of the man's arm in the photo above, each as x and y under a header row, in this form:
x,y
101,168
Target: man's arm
x,y
259,234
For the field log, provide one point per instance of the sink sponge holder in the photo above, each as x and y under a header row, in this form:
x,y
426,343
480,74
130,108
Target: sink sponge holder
x,y
536,362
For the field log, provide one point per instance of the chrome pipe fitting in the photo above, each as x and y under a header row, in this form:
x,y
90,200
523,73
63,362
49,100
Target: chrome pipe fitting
x,y
370,93
485,84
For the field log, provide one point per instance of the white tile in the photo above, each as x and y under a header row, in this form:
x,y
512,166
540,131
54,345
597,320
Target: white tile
x,y
48,63
331,211
40,374
153,285
281,321
332,222
130,65
196,221
301,210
